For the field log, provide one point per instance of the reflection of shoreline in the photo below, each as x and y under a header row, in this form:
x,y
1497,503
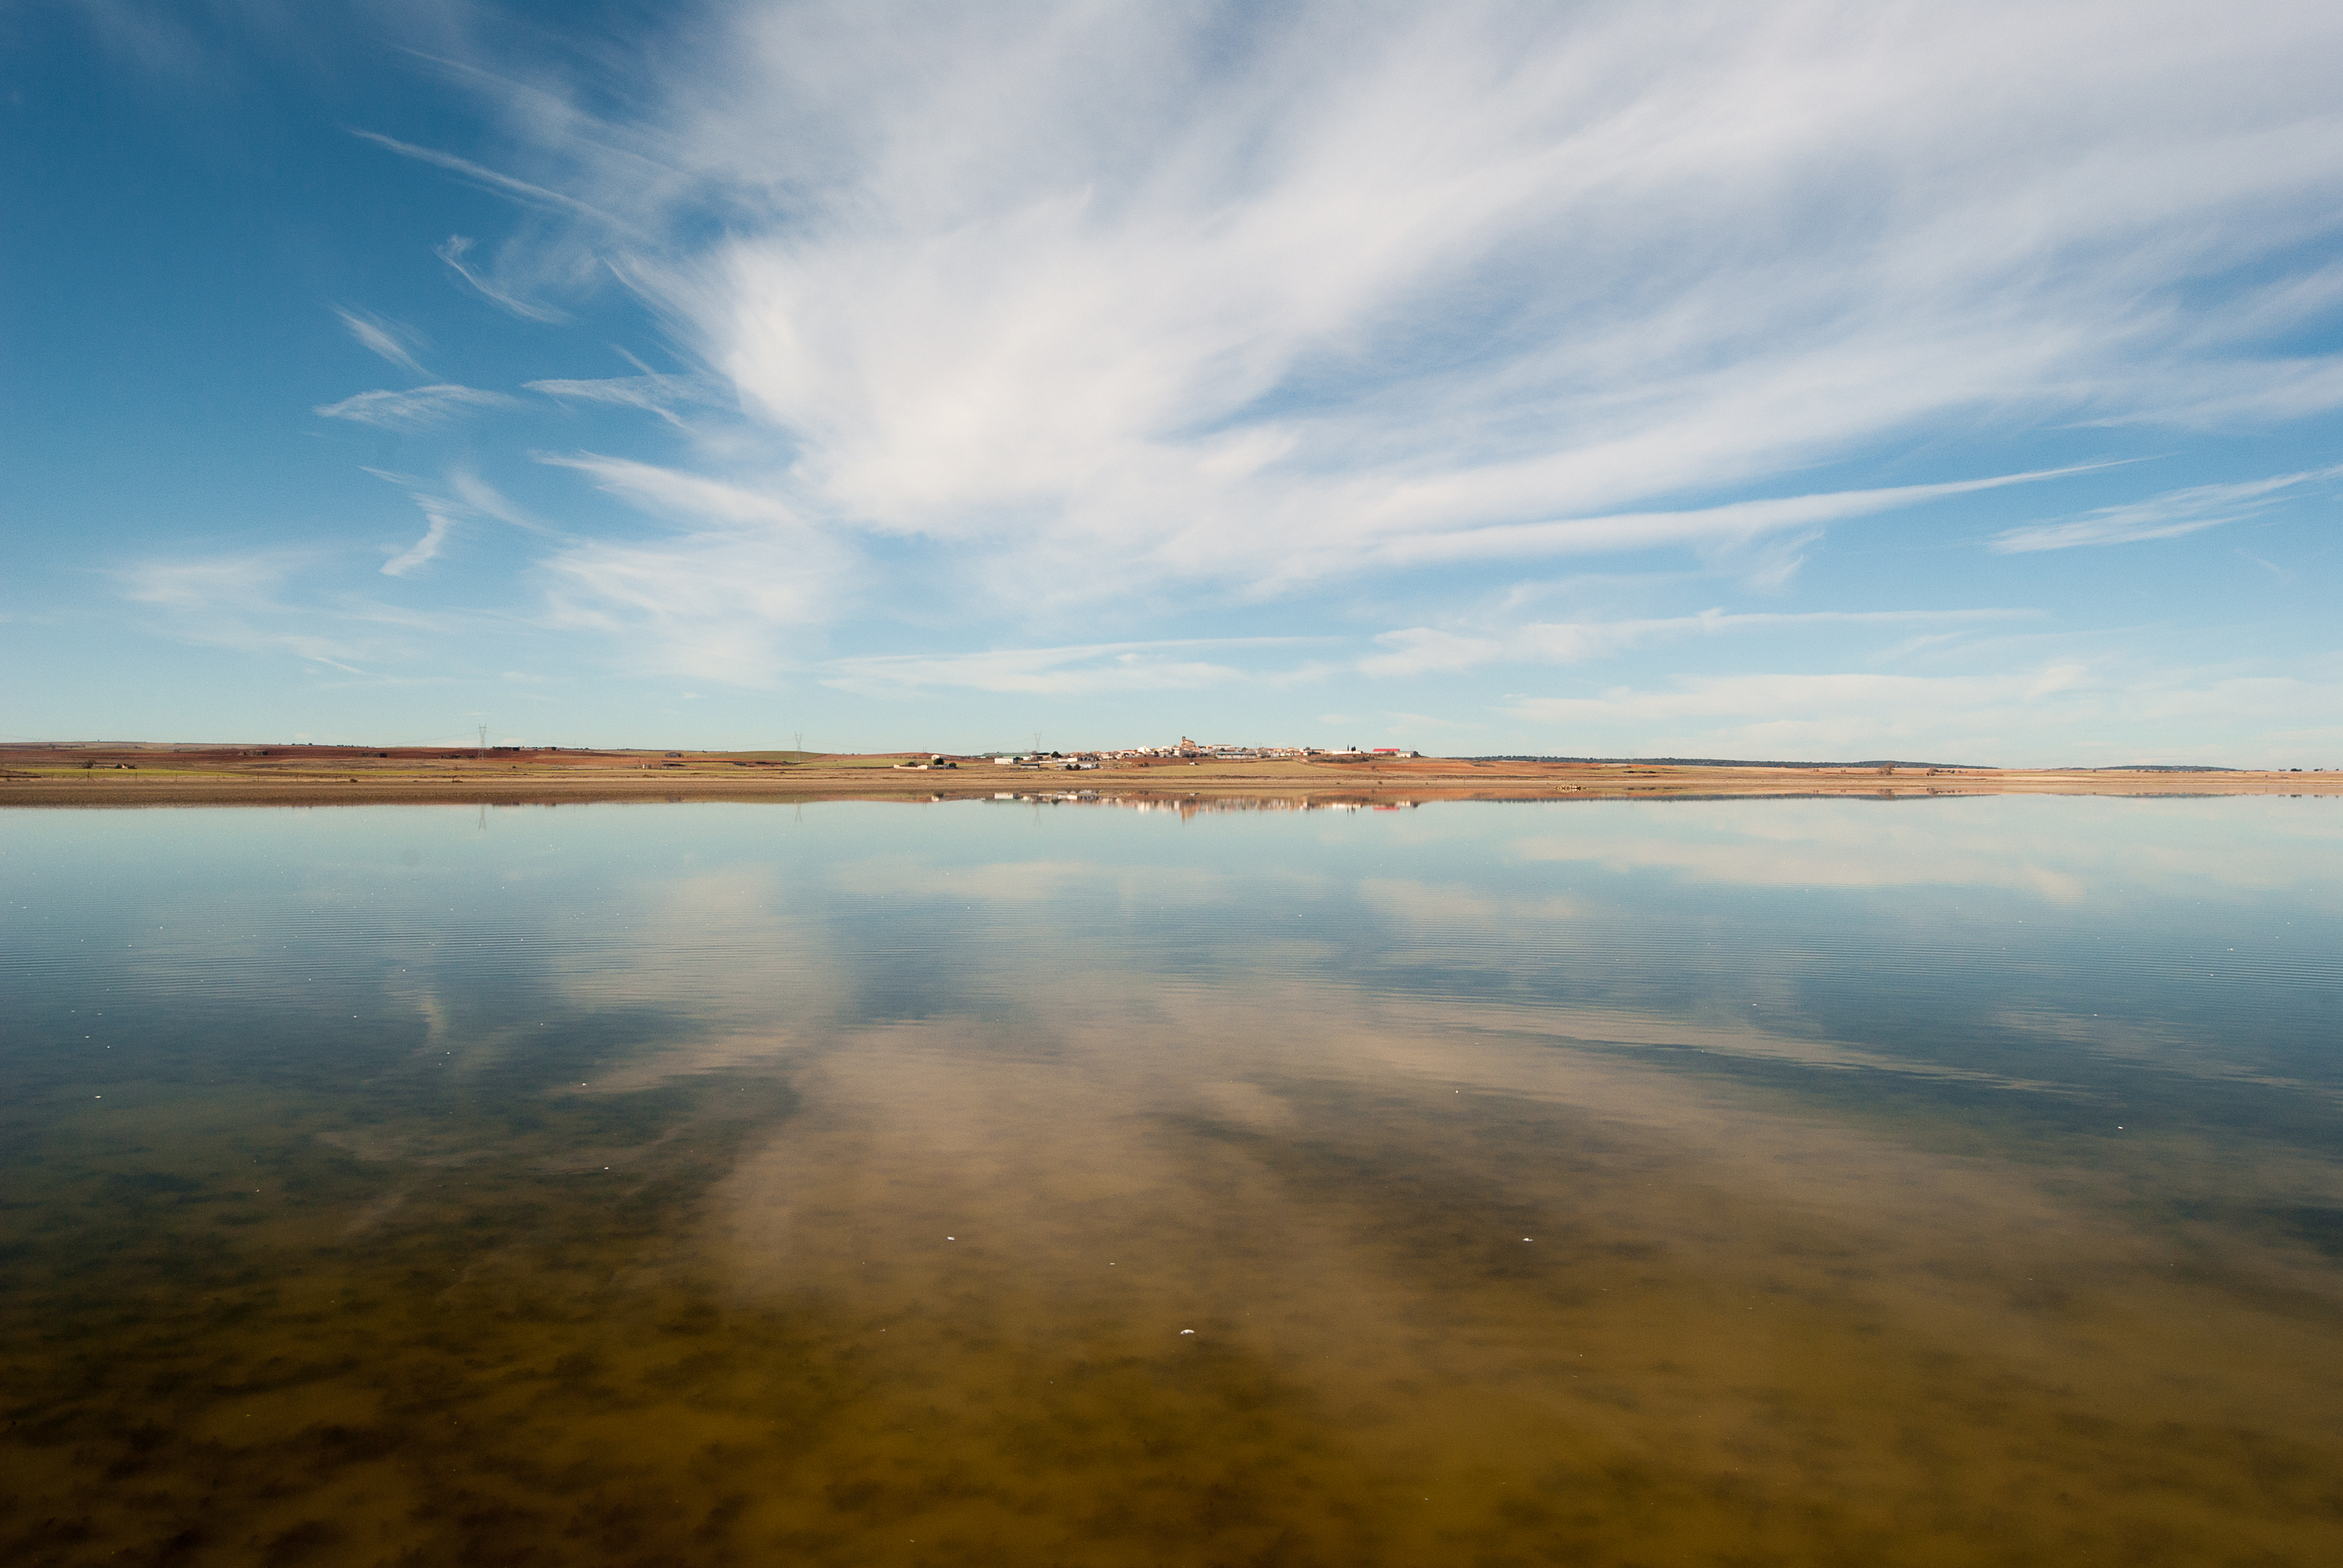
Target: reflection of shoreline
x,y
1195,804
1228,795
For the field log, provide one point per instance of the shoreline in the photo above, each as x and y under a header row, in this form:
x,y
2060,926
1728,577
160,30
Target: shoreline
x,y
132,776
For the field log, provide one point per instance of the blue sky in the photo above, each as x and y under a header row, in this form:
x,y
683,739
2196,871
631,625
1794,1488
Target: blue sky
x,y
1790,381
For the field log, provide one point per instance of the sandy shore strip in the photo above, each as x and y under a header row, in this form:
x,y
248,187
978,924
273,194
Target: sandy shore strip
x,y
124,773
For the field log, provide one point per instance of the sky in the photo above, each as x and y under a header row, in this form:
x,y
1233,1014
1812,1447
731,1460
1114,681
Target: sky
x,y
1796,381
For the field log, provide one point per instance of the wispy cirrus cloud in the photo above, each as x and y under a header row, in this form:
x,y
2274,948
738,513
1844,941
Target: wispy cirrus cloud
x,y
464,495
486,501
2164,516
2090,709
1079,670
655,394
742,588
416,409
1418,650
456,248
674,492
461,497
478,174
1121,302
203,581
1734,523
238,601
741,606
393,341
649,390
303,603
423,550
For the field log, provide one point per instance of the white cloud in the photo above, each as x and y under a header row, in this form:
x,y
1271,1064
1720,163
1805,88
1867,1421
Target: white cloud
x,y
424,549
654,393
281,601
1734,523
2167,516
392,340
502,184
233,602
477,495
1071,671
741,592
456,248
670,492
2078,710
1112,302
422,409
1418,650
192,584
1063,323
470,497
733,607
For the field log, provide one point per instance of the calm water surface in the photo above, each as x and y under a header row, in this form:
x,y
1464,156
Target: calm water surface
x,y
1737,1183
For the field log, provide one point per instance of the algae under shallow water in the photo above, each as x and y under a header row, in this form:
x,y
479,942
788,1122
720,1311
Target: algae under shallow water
x,y
1730,1182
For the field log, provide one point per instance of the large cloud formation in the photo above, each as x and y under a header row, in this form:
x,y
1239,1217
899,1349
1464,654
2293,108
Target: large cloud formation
x,y
1107,297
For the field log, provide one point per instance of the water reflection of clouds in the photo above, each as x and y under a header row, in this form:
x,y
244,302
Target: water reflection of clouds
x,y
2061,849
1623,1029
739,953
1033,882
1307,1169
740,966
1167,1039
2164,1047
1458,1248
1817,865
746,938
1306,1088
762,962
1318,1174
1456,907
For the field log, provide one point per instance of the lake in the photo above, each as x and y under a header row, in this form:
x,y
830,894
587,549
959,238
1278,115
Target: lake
x,y
1778,1181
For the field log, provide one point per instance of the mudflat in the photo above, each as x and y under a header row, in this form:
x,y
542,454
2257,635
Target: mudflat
x,y
163,774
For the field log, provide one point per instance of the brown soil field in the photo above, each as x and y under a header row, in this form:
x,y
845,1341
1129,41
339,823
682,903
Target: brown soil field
x,y
117,774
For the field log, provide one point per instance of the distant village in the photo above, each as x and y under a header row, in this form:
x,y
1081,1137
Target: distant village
x,y
1184,750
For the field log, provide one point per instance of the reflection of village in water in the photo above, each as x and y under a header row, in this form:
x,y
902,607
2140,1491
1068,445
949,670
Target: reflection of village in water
x,y
1193,805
